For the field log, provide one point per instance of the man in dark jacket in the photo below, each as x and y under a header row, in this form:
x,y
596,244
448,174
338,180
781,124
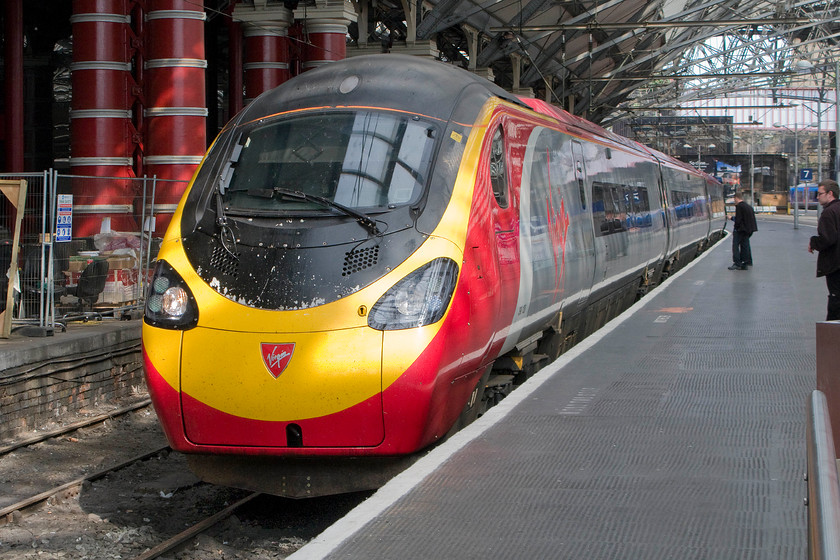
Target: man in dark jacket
x,y
827,242
745,226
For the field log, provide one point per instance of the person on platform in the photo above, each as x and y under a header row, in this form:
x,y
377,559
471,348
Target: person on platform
x,y
745,226
827,243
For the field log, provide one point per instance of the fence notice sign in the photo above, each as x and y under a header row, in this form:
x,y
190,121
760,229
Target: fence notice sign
x,y
64,219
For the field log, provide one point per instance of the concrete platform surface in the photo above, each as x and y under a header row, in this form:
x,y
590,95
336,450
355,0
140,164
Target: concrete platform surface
x,y
677,431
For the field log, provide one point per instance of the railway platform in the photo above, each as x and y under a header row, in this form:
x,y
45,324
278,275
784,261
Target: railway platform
x,y
83,369
677,431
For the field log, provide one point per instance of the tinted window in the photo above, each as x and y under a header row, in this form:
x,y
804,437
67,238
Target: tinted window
x,y
498,169
357,159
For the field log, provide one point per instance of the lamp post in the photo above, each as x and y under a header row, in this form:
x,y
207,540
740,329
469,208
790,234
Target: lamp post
x,y
795,130
752,168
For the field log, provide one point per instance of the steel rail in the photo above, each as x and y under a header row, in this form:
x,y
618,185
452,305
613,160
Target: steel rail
x,y
73,427
196,529
43,496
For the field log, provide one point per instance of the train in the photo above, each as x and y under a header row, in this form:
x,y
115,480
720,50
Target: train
x,y
376,251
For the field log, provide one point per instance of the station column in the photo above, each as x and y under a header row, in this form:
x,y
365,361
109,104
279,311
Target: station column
x,y
101,129
267,57
176,113
325,27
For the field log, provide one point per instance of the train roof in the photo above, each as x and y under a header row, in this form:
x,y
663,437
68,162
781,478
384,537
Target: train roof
x,y
593,130
377,81
380,81
582,125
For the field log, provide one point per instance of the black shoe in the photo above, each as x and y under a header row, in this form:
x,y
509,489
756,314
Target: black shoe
x,y
737,267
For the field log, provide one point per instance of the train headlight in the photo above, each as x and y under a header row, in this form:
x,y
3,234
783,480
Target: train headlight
x,y
169,303
419,299
174,301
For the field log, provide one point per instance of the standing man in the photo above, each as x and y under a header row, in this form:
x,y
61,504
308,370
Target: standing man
x,y
745,226
827,242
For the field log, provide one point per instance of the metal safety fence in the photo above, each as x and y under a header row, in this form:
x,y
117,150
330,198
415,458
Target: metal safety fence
x,y
823,501
80,258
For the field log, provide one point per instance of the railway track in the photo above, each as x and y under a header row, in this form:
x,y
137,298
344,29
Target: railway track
x,y
7,514
139,505
12,513
72,427
187,535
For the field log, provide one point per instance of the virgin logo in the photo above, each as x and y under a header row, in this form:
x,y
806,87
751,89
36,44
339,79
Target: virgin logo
x,y
277,356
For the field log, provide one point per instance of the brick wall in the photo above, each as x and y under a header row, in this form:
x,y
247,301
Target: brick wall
x,y
56,381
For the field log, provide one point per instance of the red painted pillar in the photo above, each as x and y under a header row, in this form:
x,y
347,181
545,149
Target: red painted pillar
x,y
325,27
267,58
100,126
176,111
327,43
14,85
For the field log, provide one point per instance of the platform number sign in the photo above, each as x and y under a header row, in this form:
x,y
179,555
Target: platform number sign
x,y
64,218
806,175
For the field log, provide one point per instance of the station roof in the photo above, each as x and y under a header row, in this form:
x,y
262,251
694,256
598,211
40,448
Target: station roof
x,y
601,59
604,58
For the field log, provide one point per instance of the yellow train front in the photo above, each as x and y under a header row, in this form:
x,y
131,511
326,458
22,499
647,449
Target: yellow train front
x,y
308,322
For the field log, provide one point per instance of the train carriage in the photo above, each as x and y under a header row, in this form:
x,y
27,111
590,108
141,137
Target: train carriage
x,y
374,251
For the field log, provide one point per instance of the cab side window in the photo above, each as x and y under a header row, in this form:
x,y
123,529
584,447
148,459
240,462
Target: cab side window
x,y
498,168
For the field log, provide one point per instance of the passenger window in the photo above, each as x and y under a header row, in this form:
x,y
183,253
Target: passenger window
x,y
615,208
599,210
581,190
498,169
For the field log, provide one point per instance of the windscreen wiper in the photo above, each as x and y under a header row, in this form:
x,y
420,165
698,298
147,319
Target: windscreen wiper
x,y
226,236
364,220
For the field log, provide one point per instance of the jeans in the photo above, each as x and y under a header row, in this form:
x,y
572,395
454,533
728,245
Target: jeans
x,y
741,252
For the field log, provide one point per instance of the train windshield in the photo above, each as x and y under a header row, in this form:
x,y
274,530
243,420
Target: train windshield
x,y
361,159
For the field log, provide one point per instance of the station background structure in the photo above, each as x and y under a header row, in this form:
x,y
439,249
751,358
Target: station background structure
x,y
103,98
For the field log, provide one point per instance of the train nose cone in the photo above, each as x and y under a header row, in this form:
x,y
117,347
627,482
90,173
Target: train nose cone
x,y
254,389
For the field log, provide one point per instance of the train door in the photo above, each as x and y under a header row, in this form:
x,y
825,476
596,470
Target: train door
x,y
506,178
666,214
579,253
491,254
597,269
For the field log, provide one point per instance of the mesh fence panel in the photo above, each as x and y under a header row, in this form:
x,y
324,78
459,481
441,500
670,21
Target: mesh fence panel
x,y
87,245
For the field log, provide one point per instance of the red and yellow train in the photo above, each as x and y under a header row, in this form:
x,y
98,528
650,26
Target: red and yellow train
x,y
373,251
